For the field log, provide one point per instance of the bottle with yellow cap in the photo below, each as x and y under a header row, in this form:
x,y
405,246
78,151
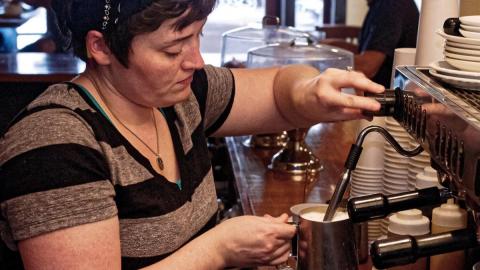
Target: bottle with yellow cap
x,y
448,217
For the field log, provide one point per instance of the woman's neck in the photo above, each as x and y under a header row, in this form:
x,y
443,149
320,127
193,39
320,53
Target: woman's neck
x,y
112,99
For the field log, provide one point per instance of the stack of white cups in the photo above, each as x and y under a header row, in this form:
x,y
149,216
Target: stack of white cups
x,y
402,57
395,173
396,165
416,165
406,56
367,178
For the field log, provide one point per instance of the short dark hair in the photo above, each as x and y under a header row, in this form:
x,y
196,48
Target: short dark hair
x,y
119,36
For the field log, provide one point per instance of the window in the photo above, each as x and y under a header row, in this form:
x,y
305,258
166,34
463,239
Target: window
x,y
308,14
33,29
419,3
228,14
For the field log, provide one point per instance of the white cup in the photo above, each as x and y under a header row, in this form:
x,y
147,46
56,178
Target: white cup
x,y
402,57
432,16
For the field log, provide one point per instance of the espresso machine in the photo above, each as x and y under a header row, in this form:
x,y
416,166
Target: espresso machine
x,y
445,121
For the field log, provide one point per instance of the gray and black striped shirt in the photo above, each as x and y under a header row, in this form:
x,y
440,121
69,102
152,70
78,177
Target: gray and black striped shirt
x,y
64,164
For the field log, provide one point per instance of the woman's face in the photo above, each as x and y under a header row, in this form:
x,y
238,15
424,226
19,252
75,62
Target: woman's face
x,y
161,66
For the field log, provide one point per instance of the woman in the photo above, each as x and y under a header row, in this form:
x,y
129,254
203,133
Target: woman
x,y
111,170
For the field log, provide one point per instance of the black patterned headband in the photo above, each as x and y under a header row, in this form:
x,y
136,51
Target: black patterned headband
x,y
107,14
116,10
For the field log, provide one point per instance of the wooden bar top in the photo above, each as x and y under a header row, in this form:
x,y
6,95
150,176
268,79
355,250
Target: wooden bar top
x,y
39,67
15,21
262,191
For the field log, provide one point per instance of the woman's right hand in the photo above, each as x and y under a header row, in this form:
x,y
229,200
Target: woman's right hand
x,y
252,241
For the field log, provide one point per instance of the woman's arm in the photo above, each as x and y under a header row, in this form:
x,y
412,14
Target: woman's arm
x,y
282,98
369,62
241,241
89,246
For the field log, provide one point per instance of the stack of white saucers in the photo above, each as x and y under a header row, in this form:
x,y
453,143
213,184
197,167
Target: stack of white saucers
x,y
461,67
470,26
367,178
451,75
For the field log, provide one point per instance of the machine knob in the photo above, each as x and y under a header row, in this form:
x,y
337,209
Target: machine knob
x,y
378,205
387,101
407,249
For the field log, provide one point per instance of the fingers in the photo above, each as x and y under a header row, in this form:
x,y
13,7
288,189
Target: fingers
x,y
282,229
346,114
352,101
283,218
343,79
268,217
333,80
280,255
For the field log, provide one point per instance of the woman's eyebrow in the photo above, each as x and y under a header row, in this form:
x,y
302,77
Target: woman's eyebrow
x,y
180,39
177,40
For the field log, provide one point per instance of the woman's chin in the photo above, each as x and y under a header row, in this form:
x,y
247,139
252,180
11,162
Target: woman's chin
x,y
175,98
185,93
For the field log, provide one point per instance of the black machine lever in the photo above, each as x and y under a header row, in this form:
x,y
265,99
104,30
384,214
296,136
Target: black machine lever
x,y
390,101
407,249
378,205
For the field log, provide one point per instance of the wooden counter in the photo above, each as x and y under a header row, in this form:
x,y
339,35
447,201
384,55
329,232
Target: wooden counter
x,y
39,67
263,192
16,21
24,76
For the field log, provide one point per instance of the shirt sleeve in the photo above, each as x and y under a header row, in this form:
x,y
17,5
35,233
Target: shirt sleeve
x,y
53,175
385,28
214,88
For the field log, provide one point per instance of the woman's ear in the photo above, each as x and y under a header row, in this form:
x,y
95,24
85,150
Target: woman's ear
x,y
97,49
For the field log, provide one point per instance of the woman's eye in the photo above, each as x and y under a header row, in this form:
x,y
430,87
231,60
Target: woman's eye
x,y
173,54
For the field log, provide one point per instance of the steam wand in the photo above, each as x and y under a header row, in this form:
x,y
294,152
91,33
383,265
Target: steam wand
x,y
351,163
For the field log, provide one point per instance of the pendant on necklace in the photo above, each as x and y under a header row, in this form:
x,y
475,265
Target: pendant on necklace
x,y
160,162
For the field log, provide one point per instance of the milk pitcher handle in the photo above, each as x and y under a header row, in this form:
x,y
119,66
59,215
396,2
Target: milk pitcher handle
x,y
293,257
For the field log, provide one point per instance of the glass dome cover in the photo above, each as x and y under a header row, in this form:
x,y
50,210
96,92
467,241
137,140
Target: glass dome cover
x,y
319,56
267,34
237,42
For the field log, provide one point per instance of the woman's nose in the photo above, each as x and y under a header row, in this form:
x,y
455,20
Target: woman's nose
x,y
193,59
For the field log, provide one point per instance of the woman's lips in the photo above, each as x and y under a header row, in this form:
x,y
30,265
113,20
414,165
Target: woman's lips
x,y
186,81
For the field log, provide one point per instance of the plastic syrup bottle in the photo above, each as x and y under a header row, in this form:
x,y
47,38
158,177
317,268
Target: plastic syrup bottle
x,y
409,222
448,217
427,178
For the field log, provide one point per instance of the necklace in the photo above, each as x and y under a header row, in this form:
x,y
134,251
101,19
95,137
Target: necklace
x,y
157,155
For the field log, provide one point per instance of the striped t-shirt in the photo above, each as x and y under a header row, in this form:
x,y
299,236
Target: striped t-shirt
x,y
64,164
